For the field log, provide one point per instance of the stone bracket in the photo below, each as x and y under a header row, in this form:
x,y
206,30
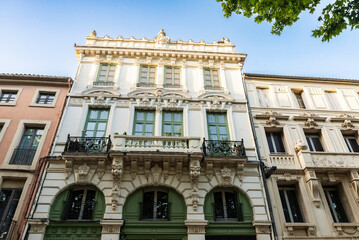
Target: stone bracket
x,y
68,168
195,171
117,171
111,226
38,226
354,180
196,226
313,184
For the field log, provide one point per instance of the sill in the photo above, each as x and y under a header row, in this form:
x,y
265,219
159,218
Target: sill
x,y
295,228
348,228
42,105
8,104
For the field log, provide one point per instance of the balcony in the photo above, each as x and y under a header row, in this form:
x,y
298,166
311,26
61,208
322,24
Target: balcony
x,y
88,145
128,143
284,161
224,148
103,83
23,156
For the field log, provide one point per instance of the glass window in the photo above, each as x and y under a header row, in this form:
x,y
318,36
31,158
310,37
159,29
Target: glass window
x,y
299,97
333,100
96,123
275,142
106,74
45,98
211,79
172,77
291,208
217,126
8,96
314,142
144,123
81,204
352,143
147,76
25,152
226,206
9,199
263,97
335,204
172,124
155,205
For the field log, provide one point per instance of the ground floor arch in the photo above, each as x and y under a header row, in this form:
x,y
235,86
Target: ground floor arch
x,y
153,213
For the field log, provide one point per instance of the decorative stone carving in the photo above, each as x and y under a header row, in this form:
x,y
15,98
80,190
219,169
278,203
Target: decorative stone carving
x,y
110,226
156,175
299,146
161,38
101,168
216,101
38,226
354,180
83,171
179,169
262,227
272,121
313,184
310,123
209,170
239,171
117,171
195,226
147,168
93,34
195,171
226,176
347,124
68,168
134,168
166,167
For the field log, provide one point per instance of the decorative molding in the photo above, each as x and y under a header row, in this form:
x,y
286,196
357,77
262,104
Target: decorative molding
x,y
262,227
271,114
354,180
310,119
195,226
68,168
313,185
225,176
195,171
299,146
38,226
179,166
310,122
117,171
156,173
161,39
101,168
111,226
272,121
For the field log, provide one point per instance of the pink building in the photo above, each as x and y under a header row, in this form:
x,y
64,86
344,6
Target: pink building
x,y
30,110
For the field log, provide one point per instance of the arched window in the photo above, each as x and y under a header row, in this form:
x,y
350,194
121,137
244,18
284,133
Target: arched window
x,y
226,206
80,205
155,205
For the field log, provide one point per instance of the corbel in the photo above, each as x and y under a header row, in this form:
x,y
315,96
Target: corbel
x,y
354,180
134,168
117,171
68,168
166,167
239,170
101,167
346,119
195,171
179,169
147,167
331,177
209,170
313,185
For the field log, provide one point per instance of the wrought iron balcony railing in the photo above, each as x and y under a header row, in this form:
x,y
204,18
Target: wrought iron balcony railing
x,y
88,144
213,88
103,83
23,156
146,85
224,148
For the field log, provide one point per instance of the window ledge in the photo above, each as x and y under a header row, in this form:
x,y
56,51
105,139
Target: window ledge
x,y
348,228
8,104
42,105
292,228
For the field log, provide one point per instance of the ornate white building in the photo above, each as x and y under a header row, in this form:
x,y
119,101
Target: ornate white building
x,y
308,129
155,143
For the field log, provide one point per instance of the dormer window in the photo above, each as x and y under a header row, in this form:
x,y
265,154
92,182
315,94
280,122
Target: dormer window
x,y
211,79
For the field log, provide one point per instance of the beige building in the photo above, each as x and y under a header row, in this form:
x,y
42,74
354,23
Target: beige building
x,y
308,128
156,143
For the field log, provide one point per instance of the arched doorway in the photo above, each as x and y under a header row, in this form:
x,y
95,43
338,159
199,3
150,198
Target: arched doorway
x,y
76,214
154,213
229,215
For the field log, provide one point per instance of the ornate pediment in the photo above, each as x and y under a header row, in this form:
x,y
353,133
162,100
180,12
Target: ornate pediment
x,y
271,118
161,38
346,119
216,101
99,91
310,119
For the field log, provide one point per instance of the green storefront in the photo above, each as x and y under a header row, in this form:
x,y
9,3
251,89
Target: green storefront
x,y
76,215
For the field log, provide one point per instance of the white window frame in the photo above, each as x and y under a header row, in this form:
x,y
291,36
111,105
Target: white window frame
x,y
273,142
319,134
347,142
5,124
18,92
44,90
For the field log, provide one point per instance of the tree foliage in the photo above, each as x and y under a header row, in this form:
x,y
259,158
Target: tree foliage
x,y
335,17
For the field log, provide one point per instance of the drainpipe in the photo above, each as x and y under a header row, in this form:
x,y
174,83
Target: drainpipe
x,y
261,164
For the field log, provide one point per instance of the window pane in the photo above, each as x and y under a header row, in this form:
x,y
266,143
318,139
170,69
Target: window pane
x,y
294,206
150,116
231,205
317,144
140,116
139,128
89,205
270,143
212,130
104,115
335,205
177,117
149,129
221,118
222,130
277,137
74,204
284,206
162,205
167,116
148,205
218,205
211,118
91,126
177,129
93,114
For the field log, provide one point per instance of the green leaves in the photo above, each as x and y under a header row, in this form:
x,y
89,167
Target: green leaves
x,y
335,17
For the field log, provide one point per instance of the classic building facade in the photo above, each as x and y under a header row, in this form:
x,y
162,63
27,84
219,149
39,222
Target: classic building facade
x,y
308,128
30,110
156,143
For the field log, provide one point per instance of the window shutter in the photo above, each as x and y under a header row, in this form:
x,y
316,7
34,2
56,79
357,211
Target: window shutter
x,y
209,207
100,206
59,206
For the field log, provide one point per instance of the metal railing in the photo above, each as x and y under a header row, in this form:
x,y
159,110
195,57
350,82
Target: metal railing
x,y
223,148
23,156
88,144
146,85
103,83
213,88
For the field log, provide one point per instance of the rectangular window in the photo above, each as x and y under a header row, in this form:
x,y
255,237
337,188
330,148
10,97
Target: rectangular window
x,y
211,79
147,76
45,98
275,142
172,124
263,97
144,123
8,96
106,75
290,204
333,100
226,206
155,205
352,143
314,142
9,199
335,204
172,77
25,152
96,123
217,126
299,97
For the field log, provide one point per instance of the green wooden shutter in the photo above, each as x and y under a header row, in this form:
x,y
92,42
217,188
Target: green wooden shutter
x,y
246,207
177,206
100,206
209,207
59,205
132,208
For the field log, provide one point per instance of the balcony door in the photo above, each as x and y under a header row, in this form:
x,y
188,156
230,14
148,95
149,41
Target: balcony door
x,y
96,123
9,199
217,126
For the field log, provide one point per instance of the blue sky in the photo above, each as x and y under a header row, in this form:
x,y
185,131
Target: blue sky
x,y
37,36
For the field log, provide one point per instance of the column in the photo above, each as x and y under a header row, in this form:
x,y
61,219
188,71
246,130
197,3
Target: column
x,y
196,229
111,229
37,228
